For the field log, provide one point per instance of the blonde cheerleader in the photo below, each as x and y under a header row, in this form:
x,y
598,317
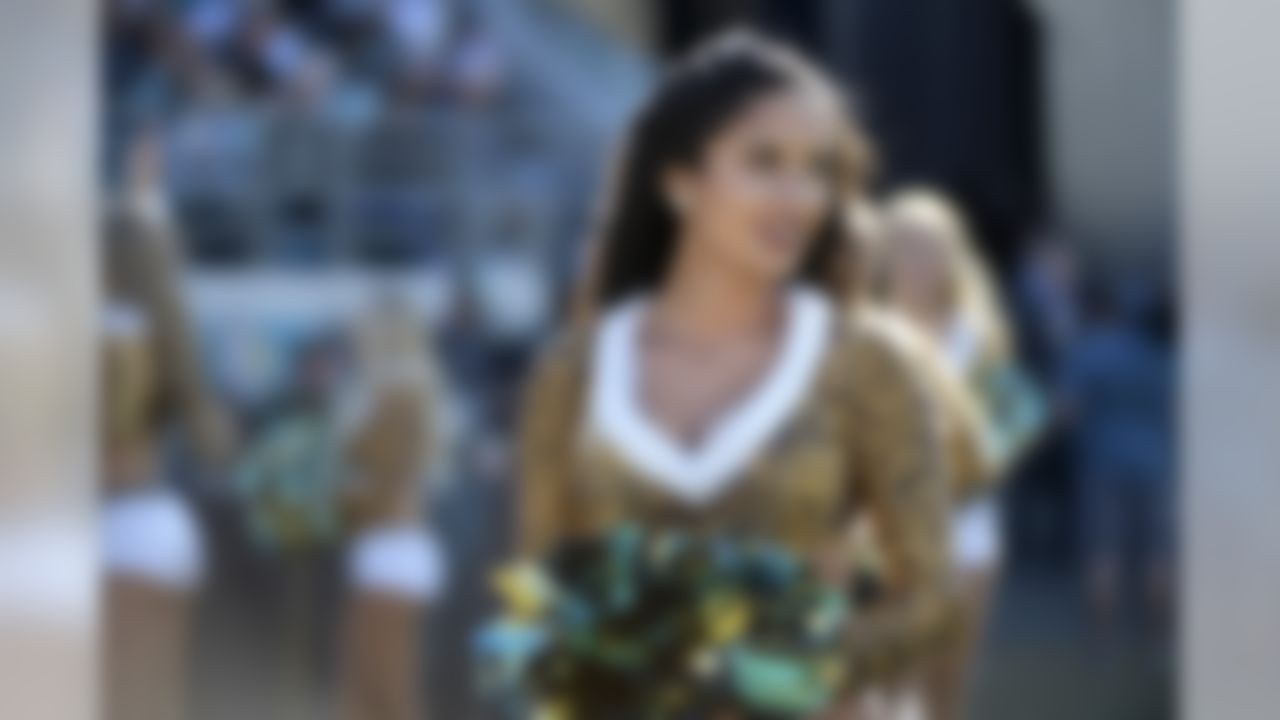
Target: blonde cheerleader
x,y
394,565
931,275
153,549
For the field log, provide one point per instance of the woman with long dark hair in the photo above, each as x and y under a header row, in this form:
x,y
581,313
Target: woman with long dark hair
x,y
710,380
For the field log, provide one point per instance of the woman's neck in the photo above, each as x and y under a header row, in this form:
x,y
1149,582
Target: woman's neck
x,y
710,303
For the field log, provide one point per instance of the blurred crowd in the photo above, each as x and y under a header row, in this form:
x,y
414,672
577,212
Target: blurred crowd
x,y
312,132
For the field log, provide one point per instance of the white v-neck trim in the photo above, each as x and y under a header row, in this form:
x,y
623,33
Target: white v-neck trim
x,y
699,474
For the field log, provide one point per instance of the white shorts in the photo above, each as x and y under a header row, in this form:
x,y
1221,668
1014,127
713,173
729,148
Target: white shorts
x,y
976,542
887,704
151,534
401,560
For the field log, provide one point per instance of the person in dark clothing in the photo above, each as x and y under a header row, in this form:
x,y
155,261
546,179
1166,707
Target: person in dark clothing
x,y
1118,386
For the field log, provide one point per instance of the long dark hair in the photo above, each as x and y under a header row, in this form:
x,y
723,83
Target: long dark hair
x,y
699,96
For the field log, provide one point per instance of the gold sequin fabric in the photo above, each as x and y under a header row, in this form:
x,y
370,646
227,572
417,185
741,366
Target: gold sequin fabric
x,y
869,442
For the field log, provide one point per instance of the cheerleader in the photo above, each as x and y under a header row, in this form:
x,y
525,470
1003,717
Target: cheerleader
x,y
709,382
971,465
931,275
153,549
394,565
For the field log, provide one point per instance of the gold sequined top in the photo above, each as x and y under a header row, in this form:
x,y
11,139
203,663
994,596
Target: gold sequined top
x,y
866,439
149,368
972,468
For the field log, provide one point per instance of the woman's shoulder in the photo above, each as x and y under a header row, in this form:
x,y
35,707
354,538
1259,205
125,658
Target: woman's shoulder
x,y
560,369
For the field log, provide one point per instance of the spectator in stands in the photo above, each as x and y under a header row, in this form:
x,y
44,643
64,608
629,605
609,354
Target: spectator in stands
x,y
213,24
478,66
418,30
269,48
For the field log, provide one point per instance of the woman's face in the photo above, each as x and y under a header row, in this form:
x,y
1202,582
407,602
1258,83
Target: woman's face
x,y
916,270
764,186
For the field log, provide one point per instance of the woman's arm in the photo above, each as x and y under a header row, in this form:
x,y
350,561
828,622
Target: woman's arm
x,y
548,417
972,467
901,481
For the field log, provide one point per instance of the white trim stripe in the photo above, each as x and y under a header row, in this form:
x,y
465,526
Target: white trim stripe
x,y
700,474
